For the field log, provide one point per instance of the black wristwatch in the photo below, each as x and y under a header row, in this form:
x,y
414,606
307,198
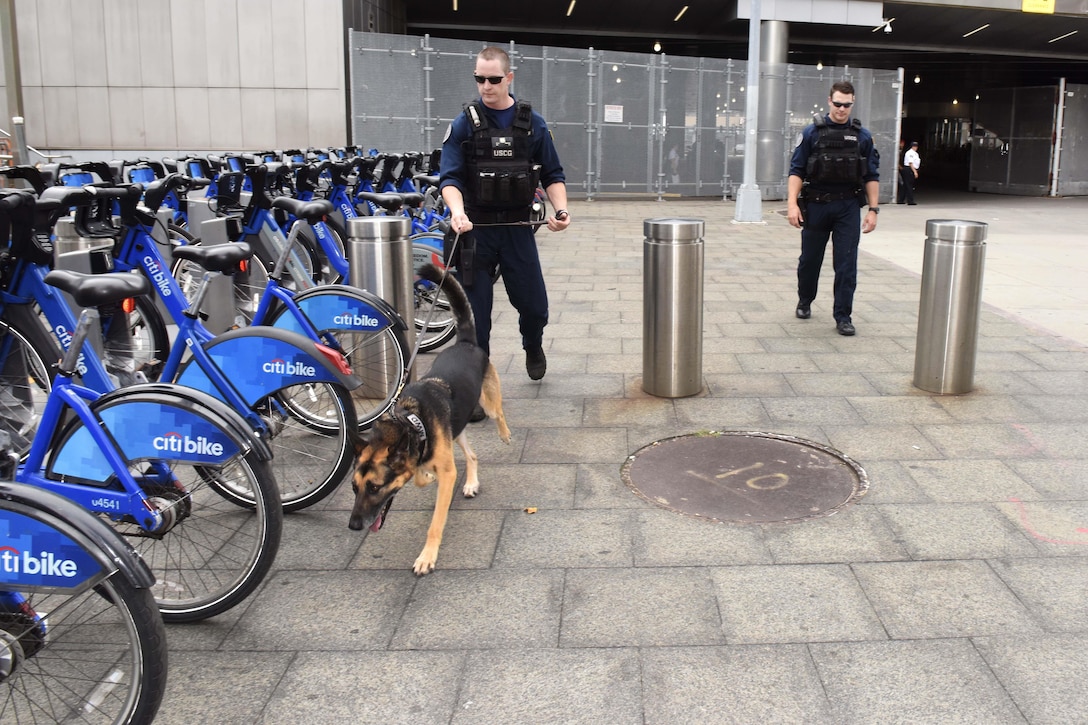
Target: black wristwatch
x,y
561,213
874,209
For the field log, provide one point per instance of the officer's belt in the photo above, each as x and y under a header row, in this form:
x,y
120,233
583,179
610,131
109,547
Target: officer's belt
x,y
503,216
821,197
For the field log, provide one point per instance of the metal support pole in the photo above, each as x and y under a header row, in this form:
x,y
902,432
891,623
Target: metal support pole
x,y
13,81
774,45
749,202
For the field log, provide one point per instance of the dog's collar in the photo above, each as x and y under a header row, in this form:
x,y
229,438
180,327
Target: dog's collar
x,y
416,423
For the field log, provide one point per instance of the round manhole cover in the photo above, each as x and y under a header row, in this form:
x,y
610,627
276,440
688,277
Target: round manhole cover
x,y
744,477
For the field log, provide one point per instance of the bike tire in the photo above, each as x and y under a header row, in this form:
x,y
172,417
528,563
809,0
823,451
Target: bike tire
x,y
27,354
150,342
220,553
433,328
377,359
339,237
104,659
313,442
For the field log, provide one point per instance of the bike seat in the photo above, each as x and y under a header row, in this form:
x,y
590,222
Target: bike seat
x,y
93,290
412,199
311,211
428,179
388,201
217,257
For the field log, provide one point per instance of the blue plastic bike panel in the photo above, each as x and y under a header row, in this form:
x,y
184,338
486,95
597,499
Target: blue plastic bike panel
x,y
336,312
145,430
258,364
34,554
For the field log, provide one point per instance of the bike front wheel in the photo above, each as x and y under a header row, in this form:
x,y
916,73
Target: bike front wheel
x,y
313,441
98,656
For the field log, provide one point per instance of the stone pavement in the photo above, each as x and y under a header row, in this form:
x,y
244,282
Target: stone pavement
x,y
955,590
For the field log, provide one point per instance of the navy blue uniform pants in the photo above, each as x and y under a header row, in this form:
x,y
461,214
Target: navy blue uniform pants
x,y
840,221
513,250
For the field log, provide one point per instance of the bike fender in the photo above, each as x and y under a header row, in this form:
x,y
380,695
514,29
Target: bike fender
x,y
91,546
145,425
340,307
259,361
240,431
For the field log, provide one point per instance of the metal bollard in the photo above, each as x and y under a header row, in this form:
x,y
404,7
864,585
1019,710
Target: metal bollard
x,y
949,306
380,258
672,307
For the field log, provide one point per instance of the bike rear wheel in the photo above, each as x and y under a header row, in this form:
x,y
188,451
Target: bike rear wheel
x,y
25,380
377,359
434,327
103,659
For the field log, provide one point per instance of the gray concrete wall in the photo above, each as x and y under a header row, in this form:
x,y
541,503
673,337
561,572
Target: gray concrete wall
x,y
121,76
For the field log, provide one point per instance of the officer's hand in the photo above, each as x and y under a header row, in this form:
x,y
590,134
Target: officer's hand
x,y
794,215
558,224
460,223
868,224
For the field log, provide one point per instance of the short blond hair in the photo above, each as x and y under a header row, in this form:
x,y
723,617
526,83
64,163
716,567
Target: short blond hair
x,y
493,53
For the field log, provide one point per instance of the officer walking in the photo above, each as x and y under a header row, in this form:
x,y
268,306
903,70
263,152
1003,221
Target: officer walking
x,y
834,171
493,158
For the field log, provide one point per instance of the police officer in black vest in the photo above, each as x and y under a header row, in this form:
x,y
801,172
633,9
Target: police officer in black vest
x,y
493,158
834,171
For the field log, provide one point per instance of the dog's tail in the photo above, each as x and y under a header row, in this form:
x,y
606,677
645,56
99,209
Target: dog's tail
x,y
455,294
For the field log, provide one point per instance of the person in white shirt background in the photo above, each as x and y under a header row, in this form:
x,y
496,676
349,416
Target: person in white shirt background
x,y
908,172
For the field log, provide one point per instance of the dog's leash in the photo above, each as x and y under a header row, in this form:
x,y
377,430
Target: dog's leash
x,y
442,281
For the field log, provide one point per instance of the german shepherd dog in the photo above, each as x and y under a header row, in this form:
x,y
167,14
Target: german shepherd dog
x,y
415,438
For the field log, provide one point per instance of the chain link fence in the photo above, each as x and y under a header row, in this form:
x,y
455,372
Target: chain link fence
x,y
623,123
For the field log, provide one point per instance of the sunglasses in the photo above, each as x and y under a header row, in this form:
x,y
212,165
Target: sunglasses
x,y
493,80
836,104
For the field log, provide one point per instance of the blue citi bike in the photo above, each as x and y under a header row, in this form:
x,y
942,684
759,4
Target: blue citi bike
x,y
293,391
172,469
363,327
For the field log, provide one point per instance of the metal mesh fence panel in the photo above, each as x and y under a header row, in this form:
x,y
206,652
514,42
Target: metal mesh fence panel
x,y
623,123
1074,158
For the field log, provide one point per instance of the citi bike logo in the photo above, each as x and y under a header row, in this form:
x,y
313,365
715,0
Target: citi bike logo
x,y
158,275
65,338
284,367
353,320
44,563
174,442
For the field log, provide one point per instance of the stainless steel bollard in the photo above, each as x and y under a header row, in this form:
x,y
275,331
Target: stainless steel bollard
x,y
949,306
672,307
380,258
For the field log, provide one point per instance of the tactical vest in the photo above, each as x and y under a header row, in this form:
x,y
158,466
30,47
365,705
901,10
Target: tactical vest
x,y
501,173
836,159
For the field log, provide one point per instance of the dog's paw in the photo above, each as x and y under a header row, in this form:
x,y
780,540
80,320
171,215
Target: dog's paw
x,y
471,489
504,433
424,564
